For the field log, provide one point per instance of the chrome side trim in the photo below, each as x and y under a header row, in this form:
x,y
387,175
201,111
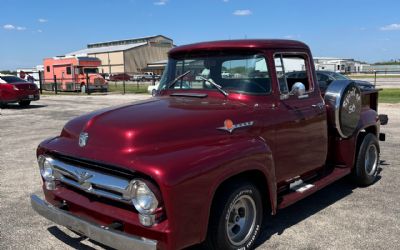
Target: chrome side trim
x,y
90,181
101,234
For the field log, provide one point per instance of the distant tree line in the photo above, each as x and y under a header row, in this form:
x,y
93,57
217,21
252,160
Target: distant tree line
x,y
8,72
391,62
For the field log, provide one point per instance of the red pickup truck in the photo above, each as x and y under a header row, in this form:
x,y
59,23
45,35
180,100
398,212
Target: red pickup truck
x,y
229,137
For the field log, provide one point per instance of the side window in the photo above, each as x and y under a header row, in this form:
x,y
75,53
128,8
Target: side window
x,y
48,68
68,70
291,69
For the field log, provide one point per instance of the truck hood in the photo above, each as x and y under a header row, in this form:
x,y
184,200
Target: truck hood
x,y
156,124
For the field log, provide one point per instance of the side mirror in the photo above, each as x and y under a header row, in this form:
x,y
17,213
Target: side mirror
x,y
298,89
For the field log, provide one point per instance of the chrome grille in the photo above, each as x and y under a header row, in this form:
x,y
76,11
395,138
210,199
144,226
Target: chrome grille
x,y
93,182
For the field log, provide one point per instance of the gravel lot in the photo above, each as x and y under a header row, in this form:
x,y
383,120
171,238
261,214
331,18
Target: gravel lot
x,y
340,216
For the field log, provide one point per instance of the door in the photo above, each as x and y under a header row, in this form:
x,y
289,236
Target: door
x,y
301,134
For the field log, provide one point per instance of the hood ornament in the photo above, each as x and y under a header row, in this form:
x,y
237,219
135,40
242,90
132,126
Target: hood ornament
x,y
230,127
83,139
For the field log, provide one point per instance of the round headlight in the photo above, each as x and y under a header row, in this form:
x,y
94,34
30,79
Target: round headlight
x,y
46,169
144,199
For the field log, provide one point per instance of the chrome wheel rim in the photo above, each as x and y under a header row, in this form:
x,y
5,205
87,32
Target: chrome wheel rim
x,y
371,159
241,220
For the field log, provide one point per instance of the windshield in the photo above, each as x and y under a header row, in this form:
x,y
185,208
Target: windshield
x,y
232,72
90,70
10,79
338,76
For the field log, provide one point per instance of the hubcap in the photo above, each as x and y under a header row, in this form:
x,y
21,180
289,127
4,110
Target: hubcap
x,y
371,159
241,220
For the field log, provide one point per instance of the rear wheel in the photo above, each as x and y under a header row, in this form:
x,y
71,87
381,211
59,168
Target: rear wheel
x,y
236,217
367,164
24,103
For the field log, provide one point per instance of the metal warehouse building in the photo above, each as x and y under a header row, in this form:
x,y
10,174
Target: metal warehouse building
x,y
129,56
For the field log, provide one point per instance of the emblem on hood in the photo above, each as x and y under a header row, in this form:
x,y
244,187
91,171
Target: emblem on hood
x,y
82,176
83,139
230,127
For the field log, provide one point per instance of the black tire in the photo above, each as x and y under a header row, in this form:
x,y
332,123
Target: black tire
x,y
24,103
236,217
367,162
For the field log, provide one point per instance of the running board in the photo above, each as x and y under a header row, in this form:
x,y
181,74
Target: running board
x,y
303,190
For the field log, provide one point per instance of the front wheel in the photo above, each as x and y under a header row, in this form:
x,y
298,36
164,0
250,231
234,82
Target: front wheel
x,y
367,164
24,103
236,217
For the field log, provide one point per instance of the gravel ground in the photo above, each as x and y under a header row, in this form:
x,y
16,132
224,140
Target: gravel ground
x,y
340,216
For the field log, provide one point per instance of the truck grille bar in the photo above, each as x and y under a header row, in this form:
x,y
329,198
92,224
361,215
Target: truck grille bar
x,y
93,182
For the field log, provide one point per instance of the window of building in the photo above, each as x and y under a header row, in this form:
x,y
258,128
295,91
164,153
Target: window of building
x,y
48,68
68,70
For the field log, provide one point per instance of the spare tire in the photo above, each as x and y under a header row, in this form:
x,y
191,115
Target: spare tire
x,y
343,98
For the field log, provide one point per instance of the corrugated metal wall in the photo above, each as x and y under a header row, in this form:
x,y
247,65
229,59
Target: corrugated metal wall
x,y
136,59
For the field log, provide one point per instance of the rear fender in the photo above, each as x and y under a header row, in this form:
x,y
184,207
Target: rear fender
x,y
347,148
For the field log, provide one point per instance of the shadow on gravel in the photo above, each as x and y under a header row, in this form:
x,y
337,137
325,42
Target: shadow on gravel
x,y
73,242
16,106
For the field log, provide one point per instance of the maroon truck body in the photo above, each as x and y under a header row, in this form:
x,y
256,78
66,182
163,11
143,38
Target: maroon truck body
x,y
174,142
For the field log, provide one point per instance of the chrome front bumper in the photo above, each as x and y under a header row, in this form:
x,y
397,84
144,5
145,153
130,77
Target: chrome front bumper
x,y
101,234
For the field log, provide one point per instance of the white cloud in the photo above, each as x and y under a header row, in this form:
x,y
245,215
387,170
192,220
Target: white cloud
x,y
225,1
9,27
393,26
161,2
39,31
242,12
13,27
42,20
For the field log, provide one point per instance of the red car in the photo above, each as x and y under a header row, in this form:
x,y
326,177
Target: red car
x,y
16,90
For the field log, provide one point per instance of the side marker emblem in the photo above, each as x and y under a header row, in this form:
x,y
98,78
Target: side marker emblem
x,y
230,127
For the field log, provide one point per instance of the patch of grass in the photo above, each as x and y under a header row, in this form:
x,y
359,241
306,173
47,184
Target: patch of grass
x,y
112,88
129,88
389,96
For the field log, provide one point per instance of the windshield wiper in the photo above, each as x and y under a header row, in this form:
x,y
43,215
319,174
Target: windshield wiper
x,y
215,85
177,79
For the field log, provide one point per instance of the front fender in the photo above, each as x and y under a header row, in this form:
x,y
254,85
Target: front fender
x,y
190,183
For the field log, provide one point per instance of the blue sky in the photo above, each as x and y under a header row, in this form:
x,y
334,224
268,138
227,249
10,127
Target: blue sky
x,y
31,30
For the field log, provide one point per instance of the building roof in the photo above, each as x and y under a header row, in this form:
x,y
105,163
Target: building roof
x,y
105,49
124,41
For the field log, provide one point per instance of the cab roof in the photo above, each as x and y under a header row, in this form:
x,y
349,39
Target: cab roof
x,y
240,45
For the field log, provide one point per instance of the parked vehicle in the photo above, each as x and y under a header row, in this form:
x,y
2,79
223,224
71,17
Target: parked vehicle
x,y
15,90
216,150
120,77
152,89
326,77
73,74
146,76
